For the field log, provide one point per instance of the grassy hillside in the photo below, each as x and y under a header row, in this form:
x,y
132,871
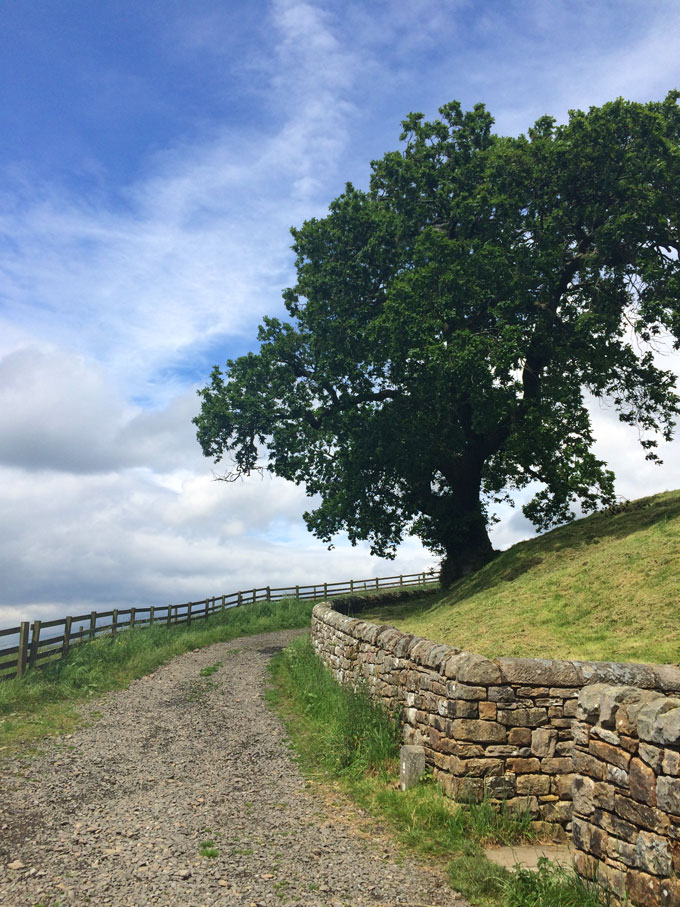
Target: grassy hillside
x,y
603,588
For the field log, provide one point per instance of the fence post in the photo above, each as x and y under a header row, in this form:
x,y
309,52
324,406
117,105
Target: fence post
x,y
114,623
35,642
207,608
297,592
22,654
133,615
351,585
269,594
377,583
93,623
325,591
224,602
67,637
152,614
189,607
401,579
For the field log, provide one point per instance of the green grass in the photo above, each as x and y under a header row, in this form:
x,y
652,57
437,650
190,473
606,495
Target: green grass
x,y
44,701
341,736
601,588
208,849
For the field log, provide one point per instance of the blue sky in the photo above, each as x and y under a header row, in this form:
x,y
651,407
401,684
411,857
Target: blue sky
x,y
153,157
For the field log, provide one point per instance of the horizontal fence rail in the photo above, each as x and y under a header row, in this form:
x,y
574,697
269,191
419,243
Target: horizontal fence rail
x,y
36,643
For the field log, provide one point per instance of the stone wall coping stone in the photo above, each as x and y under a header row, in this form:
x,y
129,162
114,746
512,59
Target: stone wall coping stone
x,y
654,718
468,667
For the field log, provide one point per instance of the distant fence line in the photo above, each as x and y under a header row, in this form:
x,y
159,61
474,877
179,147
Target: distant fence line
x,y
35,649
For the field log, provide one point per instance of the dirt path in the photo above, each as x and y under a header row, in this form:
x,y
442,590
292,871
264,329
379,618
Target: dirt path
x,y
116,814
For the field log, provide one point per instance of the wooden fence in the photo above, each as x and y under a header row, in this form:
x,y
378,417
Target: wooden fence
x,y
38,643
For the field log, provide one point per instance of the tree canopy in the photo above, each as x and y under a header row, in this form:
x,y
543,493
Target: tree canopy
x,y
448,323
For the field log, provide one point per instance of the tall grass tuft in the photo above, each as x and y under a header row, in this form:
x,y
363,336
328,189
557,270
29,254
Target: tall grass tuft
x,y
347,733
551,886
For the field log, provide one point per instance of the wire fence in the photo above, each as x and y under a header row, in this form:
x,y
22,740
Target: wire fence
x,y
39,643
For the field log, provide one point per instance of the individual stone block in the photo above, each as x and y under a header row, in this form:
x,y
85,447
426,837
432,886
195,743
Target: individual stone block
x,y
643,889
586,764
623,851
488,711
543,742
522,717
642,782
608,753
536,785
520,805
641,815
472,669
659,722
671,763
522,766
668,794
501,694
652,755
501,788
480,731
653,854
456,690
558,765
582,793
520,736
475,768
539,672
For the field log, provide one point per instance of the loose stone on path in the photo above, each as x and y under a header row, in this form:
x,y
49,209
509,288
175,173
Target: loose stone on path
x,y
122,812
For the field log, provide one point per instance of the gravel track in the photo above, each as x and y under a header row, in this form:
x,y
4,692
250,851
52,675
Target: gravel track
x,y
116,813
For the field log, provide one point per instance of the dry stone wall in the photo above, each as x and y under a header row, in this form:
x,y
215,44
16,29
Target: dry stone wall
x,y
501,727
626,824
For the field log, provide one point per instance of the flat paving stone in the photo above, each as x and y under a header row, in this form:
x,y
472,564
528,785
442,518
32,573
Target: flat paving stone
x,y
528,855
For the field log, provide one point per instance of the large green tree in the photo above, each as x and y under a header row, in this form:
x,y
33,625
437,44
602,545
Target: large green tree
x,y
448,323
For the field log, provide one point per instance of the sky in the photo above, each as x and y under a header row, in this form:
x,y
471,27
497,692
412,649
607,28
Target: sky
x,y
153,157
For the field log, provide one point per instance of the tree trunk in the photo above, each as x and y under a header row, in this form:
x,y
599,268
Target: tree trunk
x,y
461,523
467,553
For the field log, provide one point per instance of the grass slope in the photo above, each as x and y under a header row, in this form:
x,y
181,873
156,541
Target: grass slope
x,y
606,587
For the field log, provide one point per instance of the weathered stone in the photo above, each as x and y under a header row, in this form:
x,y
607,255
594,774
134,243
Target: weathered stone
x,y
653,854
557,765
652,755
559,811
608,753
543,742
539,671
667,678
603,733
520,765
585,865
581,733
480,731
640,814
412,765
616,674
562,785
670,893
522,717
520,736
488,711
475,768
457,690
668,794
586,764
535,785
642,782
616,826
612,878
656,725
623,852
671,763
589,701
617,776
643,889
472,669
502,788
501,694
520,805
500,749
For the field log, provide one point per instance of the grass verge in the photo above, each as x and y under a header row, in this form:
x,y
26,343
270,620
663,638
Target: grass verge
x,y
43,701
340,735
603,588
